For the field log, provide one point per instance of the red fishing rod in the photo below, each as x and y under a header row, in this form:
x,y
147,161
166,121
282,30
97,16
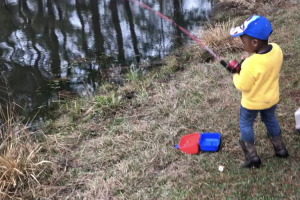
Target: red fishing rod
x,y
177,26
233,66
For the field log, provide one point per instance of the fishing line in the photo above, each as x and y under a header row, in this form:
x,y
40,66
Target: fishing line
x,y
177,26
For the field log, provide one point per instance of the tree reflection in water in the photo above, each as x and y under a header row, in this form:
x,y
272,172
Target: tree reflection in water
x,y
43,43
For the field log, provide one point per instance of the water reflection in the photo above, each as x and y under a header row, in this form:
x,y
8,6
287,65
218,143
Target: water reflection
x,y
43,43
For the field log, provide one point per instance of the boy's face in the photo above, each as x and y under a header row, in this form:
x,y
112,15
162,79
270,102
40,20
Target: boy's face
x,y
250,44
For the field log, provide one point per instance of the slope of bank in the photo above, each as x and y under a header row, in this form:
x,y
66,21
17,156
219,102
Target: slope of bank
x,y
120,143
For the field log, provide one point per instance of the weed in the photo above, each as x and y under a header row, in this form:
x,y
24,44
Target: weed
x,y
106,87
21,170
133,74
111,100
171,66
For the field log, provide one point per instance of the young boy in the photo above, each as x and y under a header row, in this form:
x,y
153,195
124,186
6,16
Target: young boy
x,y
259,83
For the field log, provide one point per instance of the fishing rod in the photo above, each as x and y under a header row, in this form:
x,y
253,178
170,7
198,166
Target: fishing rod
x,y
233,66
177,26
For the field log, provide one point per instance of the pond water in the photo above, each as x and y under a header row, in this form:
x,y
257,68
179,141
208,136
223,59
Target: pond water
x,y
50,47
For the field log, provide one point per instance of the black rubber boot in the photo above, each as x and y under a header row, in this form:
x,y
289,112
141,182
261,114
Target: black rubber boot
x,y
279,147
251,157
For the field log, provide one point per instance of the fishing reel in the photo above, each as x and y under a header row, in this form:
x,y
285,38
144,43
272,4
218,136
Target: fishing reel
x,y
233,66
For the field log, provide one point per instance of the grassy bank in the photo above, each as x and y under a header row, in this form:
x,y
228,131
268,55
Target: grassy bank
x,y
120,143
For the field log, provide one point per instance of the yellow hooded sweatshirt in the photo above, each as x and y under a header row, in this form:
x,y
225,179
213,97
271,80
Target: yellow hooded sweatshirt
x,y
259,79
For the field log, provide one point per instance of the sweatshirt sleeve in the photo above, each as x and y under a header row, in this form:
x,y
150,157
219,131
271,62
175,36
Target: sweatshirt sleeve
x,y
244,81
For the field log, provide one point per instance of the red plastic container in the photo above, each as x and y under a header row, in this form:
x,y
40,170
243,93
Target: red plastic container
x,y
189,144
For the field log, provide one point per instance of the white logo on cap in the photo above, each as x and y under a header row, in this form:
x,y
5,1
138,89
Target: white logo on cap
x,y
243,27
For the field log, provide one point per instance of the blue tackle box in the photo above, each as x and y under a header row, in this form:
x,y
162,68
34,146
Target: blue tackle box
x,y
210,141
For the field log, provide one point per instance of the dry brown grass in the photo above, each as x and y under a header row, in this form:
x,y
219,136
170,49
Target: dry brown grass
x,y
20,168
131,155
127,151
241,9
137,143
252,3
218,38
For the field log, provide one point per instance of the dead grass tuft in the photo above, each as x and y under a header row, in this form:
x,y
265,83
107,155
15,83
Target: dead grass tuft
x,y
20,168
218,38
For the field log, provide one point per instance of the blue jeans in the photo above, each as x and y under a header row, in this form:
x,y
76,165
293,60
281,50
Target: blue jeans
x,y
247,118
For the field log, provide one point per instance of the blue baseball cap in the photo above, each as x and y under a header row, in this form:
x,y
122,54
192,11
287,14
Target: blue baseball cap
x,y
255,26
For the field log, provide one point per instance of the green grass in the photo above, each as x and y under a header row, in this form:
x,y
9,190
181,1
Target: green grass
x,y
133,75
